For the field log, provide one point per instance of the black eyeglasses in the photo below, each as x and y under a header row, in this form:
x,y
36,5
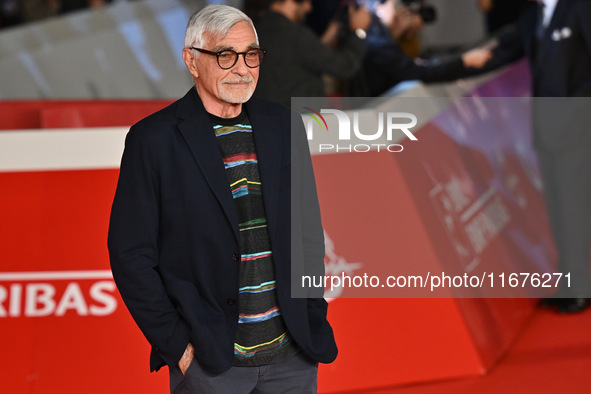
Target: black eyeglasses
x,y
228,57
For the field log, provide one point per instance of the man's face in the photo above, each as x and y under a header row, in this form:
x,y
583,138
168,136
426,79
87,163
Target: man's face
x,y
216,86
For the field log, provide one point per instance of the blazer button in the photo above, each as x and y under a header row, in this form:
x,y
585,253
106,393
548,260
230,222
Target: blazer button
x,y
235,257
231,301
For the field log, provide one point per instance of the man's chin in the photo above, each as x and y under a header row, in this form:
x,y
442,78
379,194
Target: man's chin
x,y
236,98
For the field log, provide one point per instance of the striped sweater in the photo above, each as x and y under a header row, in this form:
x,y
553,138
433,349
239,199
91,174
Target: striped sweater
x,y
262,337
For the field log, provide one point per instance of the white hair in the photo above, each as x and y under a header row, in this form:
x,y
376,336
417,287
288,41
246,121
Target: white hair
x,y
216,20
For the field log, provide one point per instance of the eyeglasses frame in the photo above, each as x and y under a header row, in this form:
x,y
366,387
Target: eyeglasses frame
x,y
217,55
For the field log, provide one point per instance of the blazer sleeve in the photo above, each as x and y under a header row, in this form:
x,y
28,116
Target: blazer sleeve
x,y
316,56
398,66
509,49
133,250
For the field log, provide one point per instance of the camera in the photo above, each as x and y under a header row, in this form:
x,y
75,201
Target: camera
x,y
427,12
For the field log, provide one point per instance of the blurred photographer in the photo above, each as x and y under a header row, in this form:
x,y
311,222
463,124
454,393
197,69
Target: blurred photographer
x,y
385,64
409,19
297,58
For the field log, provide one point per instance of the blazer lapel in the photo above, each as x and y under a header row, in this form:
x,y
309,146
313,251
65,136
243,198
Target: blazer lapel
x,y
197,130
267,139
557,17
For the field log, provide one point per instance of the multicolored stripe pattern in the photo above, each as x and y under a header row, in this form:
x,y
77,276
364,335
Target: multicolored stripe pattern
x,y
262,337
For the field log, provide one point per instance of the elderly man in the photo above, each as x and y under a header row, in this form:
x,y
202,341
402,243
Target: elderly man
x,y
202,236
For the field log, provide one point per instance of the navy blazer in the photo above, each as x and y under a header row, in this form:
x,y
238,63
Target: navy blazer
x,y
561,59
174,240
560,62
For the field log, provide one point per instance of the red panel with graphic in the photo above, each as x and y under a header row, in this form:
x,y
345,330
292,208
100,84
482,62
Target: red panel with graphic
x,y
64,326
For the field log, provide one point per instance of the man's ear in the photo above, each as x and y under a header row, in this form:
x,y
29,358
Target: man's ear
x,y
190,62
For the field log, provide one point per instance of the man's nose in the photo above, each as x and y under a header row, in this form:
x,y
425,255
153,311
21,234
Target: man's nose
x,y
240,67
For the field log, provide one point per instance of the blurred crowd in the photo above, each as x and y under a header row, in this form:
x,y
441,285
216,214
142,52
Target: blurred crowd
x,y
17,12
352,47
332,47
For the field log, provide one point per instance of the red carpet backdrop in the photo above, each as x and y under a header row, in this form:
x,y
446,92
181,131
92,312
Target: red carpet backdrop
x,y
64,326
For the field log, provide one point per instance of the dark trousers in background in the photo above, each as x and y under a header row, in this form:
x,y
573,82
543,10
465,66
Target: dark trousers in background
x,y
567,188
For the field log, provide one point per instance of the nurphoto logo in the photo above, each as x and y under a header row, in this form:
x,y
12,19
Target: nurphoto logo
x,y
356,133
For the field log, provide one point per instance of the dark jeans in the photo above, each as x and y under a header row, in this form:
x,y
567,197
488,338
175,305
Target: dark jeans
x,y
295,375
